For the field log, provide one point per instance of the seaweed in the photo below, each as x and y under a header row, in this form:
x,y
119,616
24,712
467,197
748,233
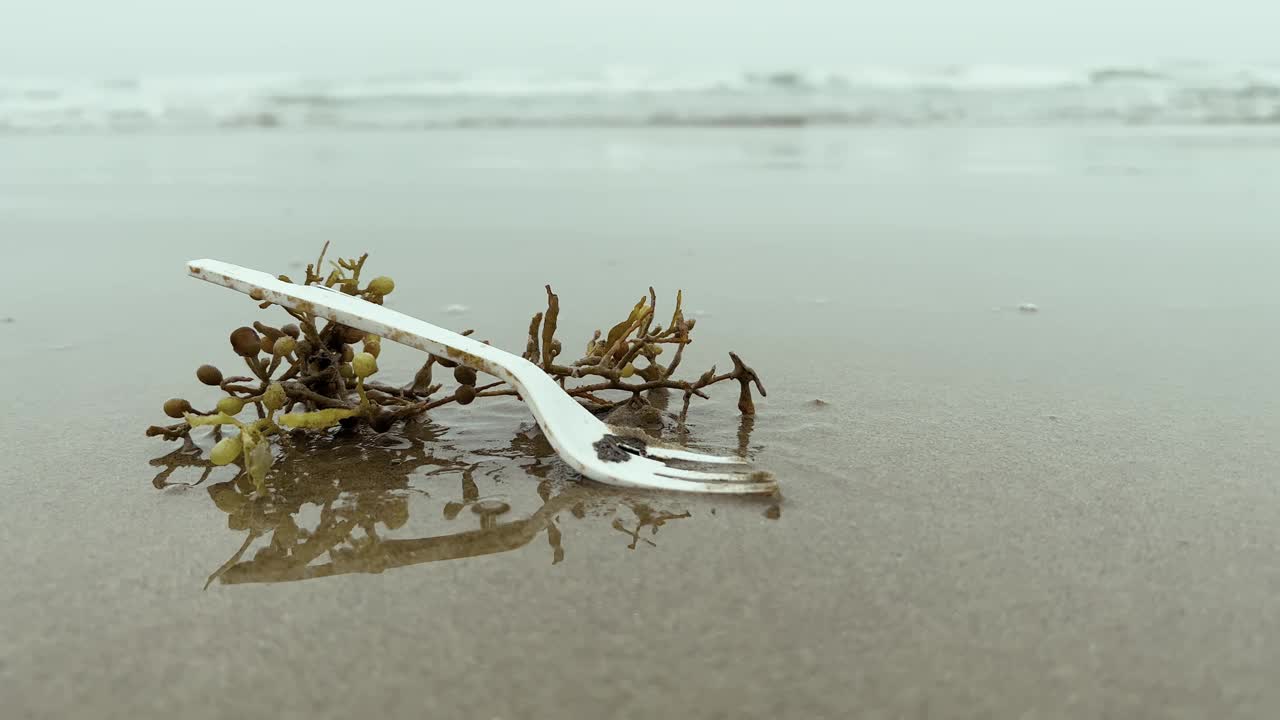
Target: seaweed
x,y
312,375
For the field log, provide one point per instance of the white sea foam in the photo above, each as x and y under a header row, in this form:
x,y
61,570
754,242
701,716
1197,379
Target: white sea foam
x,y
961,95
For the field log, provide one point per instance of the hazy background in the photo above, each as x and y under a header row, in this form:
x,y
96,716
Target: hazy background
x,y
1007,268
126,37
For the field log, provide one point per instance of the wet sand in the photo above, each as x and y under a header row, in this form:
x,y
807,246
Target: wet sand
x,y
990,513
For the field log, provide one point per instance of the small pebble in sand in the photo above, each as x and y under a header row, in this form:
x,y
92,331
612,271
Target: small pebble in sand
x,y
774,512
819,402
1029,308
456,309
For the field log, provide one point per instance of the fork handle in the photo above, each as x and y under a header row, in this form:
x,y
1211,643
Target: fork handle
x,y
362,315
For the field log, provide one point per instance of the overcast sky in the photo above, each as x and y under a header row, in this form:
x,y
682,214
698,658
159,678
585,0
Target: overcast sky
x,y
127,37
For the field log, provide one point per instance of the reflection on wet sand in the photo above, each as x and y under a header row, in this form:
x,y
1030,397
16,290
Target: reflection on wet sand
x,y
347,504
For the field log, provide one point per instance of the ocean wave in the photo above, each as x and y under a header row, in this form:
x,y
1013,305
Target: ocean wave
x,y
958,95
1121,75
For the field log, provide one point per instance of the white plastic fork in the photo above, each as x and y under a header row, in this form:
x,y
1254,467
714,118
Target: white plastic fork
x,y
621,457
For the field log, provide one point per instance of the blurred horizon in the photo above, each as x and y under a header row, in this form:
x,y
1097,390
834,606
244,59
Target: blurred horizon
x,y
141,65
1161,93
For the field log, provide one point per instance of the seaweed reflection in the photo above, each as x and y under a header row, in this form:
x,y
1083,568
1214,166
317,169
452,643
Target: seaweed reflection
x,y
408,498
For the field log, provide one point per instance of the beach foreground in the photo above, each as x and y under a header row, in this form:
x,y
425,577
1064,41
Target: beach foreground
x,y
986,512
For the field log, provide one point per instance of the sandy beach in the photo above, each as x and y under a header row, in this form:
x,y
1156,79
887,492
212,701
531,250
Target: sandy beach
x,y
986,512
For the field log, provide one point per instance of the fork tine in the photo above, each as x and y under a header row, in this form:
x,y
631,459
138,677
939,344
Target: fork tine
x,y
662,482
647,473
724,477
667,453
